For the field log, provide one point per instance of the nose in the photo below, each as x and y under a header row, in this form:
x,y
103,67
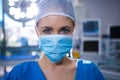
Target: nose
x,y
56,32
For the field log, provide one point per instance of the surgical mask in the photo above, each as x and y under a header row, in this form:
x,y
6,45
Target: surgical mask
x,y
55,47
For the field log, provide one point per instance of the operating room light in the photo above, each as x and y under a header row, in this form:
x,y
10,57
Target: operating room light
x,y
22,9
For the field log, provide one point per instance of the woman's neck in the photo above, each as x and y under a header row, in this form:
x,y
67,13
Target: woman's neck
x,y
44,61
64,70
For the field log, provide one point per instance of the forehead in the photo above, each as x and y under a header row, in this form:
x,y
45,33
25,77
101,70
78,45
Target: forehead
x,y
55,20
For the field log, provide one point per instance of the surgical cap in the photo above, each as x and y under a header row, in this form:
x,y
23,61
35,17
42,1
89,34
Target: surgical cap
x,y
55,7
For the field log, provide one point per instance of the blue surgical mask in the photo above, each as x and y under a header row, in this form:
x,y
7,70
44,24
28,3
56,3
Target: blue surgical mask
x,y
55,47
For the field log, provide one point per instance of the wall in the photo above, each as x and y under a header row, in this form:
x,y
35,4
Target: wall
x,y
107,10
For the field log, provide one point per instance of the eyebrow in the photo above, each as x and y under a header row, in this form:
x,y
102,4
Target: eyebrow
x,y
45,27
70,27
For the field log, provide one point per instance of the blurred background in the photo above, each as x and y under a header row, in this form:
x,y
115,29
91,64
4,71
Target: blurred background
x,y
96,37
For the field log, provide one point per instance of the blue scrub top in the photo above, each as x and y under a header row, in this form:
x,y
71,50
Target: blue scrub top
x,y
86,70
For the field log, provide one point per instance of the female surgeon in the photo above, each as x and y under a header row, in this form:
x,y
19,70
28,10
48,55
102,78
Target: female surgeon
x,y
55,24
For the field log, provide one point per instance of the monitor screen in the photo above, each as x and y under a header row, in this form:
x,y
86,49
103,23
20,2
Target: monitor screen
x,y
90,27
115,32
91,46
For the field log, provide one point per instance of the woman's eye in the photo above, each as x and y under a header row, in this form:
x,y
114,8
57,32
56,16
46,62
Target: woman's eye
x,y
47,31
64,31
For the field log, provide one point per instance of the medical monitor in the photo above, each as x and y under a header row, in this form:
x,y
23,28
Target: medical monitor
x,y
91,46
114,32
90,27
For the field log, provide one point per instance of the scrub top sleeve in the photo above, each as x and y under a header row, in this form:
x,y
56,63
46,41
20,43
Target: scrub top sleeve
x,y
87,70
96,72
14,74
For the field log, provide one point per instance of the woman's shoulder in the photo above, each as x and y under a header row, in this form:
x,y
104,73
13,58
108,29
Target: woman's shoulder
x,y
86,65
84,62
26,65
21,70
88,69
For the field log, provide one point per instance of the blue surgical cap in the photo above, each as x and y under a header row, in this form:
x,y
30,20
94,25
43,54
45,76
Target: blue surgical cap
x,y
55,7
